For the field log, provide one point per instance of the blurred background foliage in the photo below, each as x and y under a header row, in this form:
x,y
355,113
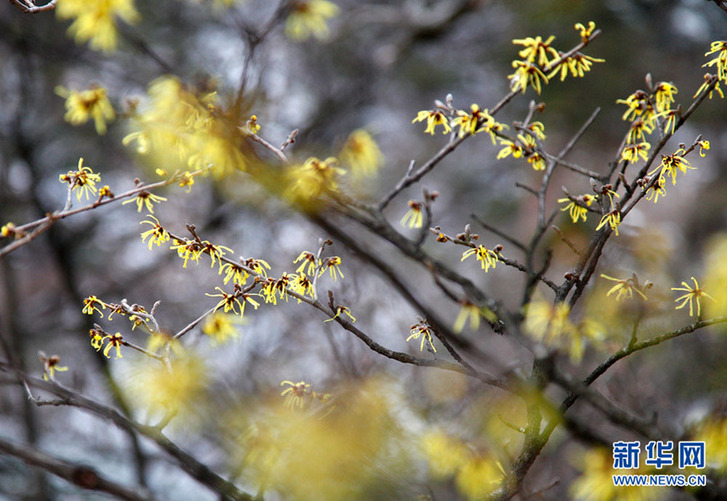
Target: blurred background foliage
x,y
383,62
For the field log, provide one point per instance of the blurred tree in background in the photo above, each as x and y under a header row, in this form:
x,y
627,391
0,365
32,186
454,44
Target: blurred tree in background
x,y
234,265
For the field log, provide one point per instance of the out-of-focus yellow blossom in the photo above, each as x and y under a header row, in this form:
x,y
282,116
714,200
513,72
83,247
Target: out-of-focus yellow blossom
x,y
296,394
433,118
186,126
693,296
479,477
179,387
596,481
625,288
301,454
414,217
476,475
577,207
445,454
220,327
361,153
526,73
309,18
718,48
469,311
50,366
551,325
314,178
713,432
487,258
9,229
82,106
83,180
94,21
715,273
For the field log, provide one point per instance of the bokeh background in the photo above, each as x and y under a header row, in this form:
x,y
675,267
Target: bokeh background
x,y
382,63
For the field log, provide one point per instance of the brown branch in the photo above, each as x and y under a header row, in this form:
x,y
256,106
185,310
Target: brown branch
x,y
186,461
80,475
29,7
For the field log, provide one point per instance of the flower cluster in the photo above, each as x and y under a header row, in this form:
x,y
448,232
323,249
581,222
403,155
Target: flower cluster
x,y
541,61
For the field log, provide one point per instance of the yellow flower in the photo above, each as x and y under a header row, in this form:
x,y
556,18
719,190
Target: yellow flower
x,y
145,199
720,49
638,130
585,32
231,302
83,180
333,265
632,152
309,17
670,164
692,296
486,257
433,118
578,65
707,82
50,366
252,124
157,234
95,20
577,207
526,73
93,304
424,331
414,217
535,48
509,148
345,310
308,259
612,218
220,327
664,95
361,153
112,341
476,121
88,104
